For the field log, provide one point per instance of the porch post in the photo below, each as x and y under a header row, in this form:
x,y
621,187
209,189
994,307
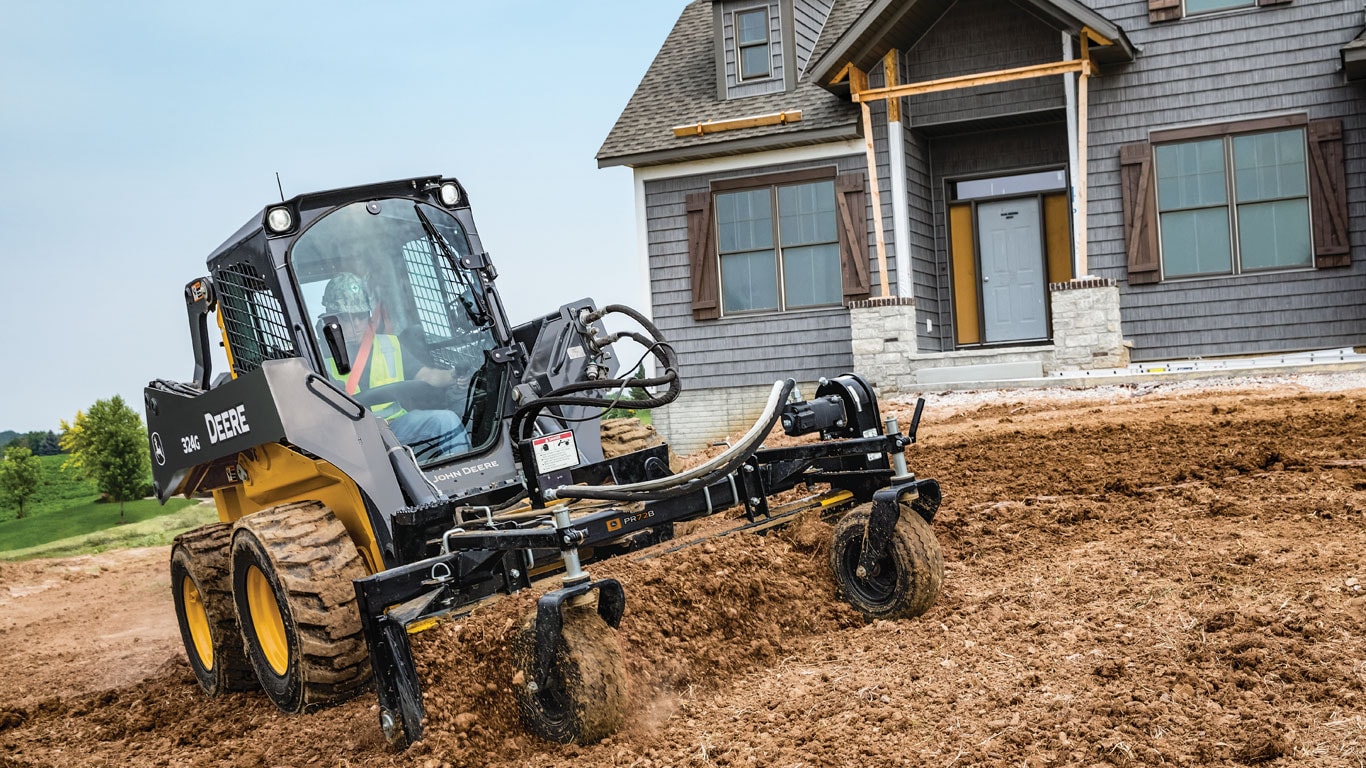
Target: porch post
x,y
896,153
1083,173
1073,173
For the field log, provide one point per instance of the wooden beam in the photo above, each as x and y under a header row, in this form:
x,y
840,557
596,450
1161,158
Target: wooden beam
x,y
716,126
967,81
843,73
877,197
1095,36
889,76
858,80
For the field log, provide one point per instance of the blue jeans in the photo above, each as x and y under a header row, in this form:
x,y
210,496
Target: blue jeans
x,y
431,433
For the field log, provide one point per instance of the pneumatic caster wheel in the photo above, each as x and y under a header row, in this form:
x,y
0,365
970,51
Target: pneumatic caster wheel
x,y
904,583
585,699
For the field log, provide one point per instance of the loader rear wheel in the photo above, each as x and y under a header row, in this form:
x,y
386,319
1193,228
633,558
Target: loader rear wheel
x,y
292,568
905,583
585,699
202,589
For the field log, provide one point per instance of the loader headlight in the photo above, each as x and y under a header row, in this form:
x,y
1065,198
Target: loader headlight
x,y
450,195
279,220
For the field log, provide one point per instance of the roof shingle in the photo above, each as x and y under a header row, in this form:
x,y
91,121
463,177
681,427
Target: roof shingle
x,y
680,89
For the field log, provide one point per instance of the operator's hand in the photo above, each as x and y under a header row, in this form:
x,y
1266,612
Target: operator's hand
x,y
437,377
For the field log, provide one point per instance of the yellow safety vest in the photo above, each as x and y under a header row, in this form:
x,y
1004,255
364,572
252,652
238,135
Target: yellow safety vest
x,y
386,367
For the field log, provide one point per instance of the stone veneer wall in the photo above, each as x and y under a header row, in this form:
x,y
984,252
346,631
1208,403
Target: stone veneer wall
x,y
884,338
1086,325
1086,335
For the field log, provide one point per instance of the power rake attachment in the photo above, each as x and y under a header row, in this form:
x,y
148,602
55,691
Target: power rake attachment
x,y
885,558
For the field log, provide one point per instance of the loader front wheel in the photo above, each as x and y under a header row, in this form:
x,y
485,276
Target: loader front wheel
x,y
201,587
292,568
904,583
585,699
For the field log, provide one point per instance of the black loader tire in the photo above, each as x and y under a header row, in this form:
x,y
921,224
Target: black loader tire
x,y
201,586
907,580
292,568
586,699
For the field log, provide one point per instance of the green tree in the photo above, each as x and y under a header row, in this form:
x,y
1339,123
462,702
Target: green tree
x,y
19,475
41,443
108,444
632,393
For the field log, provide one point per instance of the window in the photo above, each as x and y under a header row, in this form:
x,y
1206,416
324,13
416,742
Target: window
x,y
778,247
751,42
1234,198
1205,6
1234,203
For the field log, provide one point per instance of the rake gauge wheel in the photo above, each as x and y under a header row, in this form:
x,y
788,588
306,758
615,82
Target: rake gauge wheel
x,y
292,568
202,590
586,698
904,583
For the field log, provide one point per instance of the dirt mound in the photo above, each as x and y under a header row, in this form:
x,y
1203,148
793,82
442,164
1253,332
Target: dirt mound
x,y
1154,579
622,436
694,617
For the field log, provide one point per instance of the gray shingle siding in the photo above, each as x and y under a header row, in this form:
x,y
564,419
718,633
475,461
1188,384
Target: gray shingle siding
x,y
809,17
977,36
931,292
1222,68
742,350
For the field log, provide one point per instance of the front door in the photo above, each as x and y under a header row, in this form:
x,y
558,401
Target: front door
x,y
1010,241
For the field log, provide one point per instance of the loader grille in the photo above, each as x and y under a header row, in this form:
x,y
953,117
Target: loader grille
x,y
428,291
253,319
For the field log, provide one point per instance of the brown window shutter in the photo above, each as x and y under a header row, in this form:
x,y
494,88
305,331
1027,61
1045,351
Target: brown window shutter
x,y
702,266
1163,10
1140,213
851,207
1328,194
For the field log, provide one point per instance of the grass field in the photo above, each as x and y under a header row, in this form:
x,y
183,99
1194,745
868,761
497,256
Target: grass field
x,y
152,532
66,511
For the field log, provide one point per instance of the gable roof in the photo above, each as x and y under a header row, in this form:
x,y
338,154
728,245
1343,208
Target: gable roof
x,y
881,23
679,88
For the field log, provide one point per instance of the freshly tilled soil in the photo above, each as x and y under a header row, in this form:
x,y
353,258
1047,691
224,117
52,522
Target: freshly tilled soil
x,y
1160,579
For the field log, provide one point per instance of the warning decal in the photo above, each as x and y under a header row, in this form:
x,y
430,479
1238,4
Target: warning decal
x,y
555,452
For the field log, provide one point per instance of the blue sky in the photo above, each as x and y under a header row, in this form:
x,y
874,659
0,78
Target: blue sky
x,y
137,136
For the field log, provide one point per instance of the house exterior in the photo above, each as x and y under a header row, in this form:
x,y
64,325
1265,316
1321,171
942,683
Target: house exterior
x,y
927,191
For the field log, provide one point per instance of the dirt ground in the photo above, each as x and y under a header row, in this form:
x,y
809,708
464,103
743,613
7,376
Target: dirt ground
x,y
1136,576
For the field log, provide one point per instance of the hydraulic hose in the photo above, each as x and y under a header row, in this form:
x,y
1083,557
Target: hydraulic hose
x,y
698,477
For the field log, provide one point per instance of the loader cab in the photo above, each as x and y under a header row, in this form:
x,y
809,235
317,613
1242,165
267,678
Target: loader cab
x,y
410,326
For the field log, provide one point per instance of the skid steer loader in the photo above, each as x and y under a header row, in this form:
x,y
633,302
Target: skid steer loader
x,y
386,448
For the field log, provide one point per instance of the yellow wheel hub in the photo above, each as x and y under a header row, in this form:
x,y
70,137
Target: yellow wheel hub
x,y
197,618
266,620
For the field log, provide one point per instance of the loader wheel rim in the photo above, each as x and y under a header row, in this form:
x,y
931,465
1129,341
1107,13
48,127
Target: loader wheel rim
x,y
197,620
268,624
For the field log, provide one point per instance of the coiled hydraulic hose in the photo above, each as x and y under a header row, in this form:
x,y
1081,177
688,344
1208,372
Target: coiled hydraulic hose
x,y
524,418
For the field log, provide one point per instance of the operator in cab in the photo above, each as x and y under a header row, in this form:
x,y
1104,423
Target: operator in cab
x,y
379,359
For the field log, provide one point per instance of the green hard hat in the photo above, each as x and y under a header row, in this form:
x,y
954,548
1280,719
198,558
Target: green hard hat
x,y
345,293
